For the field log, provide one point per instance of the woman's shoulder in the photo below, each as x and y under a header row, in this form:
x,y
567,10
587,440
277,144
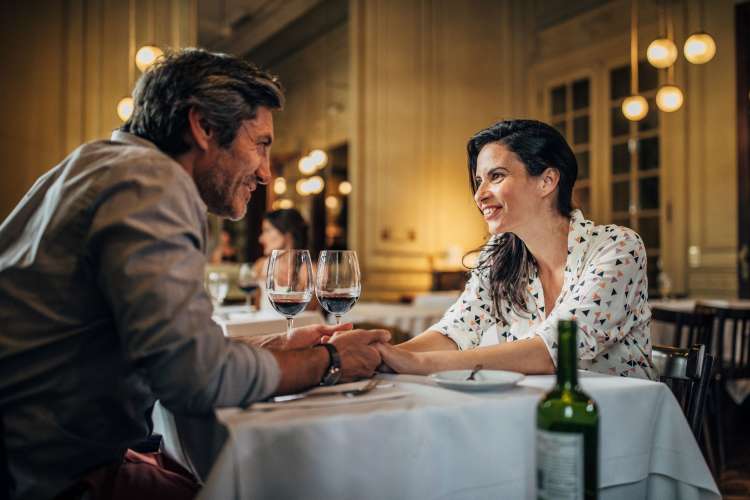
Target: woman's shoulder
x,y
619,239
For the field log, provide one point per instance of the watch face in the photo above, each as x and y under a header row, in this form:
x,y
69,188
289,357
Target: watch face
x,y
332,376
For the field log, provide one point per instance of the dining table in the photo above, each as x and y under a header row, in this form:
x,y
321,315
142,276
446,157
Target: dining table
x,y
241,321
411,438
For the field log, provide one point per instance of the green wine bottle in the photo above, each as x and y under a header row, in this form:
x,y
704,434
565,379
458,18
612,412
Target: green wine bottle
x,y
567,421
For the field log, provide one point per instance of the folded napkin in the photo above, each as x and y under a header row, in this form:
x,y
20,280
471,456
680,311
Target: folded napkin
x,y
320,397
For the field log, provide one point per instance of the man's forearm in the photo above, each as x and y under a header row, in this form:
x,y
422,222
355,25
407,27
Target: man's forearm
x,y
273,342
300,368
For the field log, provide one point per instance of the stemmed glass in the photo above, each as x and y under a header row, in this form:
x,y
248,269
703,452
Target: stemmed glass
x,y
247,281
338,285
218,287
289,283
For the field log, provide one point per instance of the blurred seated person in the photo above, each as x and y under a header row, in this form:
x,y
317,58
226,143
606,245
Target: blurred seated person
x,y
543,262
224,251
283,229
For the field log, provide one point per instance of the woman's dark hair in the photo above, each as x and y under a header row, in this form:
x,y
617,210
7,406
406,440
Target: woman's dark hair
x,y
224,89
290,221
539,147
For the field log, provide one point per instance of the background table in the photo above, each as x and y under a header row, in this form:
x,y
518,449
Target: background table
x,y
238,321
442,444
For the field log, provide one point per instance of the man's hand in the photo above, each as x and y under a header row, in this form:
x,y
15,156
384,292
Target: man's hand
x,y
308,336
359,357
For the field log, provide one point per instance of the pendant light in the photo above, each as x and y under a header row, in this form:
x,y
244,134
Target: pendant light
x,y
669,97
700,47
634,107
662,52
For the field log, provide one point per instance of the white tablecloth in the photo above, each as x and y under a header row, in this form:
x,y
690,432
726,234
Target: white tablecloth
x,y
237,321
441,444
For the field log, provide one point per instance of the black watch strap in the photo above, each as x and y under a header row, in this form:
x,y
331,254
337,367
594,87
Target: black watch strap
x,y
333,373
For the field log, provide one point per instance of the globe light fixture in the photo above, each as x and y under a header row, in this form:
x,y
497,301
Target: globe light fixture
x,y
661,53
345,187
279,185
146,56
635,107
332,202
315,184
319,158
301,187
125,108
307,165
699,48
669,98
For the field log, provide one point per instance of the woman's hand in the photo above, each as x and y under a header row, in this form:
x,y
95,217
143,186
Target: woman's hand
x,y
402,361
308,336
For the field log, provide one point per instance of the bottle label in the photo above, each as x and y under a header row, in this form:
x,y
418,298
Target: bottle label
x,y
559,465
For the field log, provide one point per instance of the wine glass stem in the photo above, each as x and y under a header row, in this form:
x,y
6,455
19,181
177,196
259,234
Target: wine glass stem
x,y
289,322
338,319
249,301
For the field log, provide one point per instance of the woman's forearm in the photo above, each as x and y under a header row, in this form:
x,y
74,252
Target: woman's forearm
x,y
525,356
429,341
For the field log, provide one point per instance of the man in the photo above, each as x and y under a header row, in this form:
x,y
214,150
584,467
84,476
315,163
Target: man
x,y
102,304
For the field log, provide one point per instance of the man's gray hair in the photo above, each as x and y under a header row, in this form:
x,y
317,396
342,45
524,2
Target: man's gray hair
x,y
225,90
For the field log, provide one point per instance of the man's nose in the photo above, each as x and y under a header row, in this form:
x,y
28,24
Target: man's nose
x,y
264,171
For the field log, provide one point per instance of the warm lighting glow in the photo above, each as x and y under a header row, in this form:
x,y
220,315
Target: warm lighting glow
x,y
315,184
332,202
661,53
306,165
302,188
345,187
319,158
669,98
279,185
699,48
125,108
282,203
635,107
146,56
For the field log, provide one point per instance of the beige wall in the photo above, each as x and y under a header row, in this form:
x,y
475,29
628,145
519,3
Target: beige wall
x,y
65,67
425,76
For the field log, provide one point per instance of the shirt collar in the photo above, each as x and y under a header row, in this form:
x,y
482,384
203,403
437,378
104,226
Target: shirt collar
x,y
128,138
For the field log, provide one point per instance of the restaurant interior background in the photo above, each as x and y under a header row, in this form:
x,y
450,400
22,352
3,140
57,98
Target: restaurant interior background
x,y
390,90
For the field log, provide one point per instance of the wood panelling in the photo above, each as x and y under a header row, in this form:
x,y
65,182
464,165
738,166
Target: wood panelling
x,y
66,65
426,76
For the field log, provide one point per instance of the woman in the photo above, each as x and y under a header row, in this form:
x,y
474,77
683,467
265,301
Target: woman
x,y
280,229
543,261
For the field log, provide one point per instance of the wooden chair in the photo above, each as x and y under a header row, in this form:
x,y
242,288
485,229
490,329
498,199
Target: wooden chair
x,y
687,372
690,327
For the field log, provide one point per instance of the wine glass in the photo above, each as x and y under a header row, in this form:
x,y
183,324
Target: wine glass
x,y
289,283
218,287
338,285
247,281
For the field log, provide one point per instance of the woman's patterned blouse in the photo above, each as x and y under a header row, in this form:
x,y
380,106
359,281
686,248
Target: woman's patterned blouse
x,y
605,290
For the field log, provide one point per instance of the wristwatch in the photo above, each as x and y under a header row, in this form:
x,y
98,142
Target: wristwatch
x,y
333,372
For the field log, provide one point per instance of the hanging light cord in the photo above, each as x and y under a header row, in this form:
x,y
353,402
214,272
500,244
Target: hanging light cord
x,y
634,47
669,21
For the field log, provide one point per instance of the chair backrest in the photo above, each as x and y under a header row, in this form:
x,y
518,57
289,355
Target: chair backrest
x,y
690,327
687,372
733,335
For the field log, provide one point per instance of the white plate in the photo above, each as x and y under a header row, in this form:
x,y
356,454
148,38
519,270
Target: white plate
x,y
485,380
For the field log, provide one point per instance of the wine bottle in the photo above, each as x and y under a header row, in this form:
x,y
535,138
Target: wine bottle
x,y
567,421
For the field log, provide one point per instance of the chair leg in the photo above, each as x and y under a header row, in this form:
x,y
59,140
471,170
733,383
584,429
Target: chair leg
x,y
718,395
707,448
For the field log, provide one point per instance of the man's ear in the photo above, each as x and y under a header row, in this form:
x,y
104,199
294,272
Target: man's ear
x,y
199,130
550,178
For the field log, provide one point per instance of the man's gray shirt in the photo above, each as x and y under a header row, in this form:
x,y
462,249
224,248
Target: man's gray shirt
x,y
103,310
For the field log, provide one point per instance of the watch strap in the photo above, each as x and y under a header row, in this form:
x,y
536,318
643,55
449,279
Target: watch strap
x,y
333,373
